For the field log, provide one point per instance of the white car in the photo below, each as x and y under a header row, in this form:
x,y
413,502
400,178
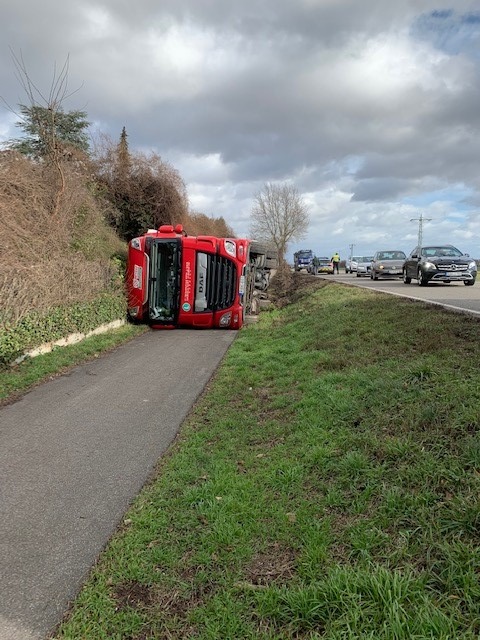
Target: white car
x,y
364,266
351,264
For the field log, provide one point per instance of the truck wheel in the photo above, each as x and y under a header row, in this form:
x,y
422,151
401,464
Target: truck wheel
x,y
258,247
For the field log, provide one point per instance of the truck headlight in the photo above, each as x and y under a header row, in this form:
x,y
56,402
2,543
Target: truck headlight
x,y
230,248
135,243
133,311
225,319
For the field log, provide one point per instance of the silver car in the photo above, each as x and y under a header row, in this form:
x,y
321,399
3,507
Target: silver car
x,y
387,264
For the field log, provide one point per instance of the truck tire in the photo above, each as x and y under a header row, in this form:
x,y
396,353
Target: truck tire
x,y
272,259
249,291
259,247
266,256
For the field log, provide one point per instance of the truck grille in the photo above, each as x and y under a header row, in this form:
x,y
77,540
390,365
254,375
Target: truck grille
x,y
221,282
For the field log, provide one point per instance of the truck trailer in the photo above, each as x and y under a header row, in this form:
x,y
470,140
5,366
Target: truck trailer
x,y
176,280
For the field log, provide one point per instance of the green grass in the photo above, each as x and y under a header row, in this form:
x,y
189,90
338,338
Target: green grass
x,y
325,486
17,379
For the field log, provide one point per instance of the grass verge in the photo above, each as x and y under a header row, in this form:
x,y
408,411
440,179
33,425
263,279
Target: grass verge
x,y
326,486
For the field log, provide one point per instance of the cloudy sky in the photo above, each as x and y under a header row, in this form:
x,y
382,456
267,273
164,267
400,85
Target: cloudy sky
x,y
370,108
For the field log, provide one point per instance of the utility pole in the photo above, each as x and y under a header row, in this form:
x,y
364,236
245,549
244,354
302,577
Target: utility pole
x,y
350,246
420,221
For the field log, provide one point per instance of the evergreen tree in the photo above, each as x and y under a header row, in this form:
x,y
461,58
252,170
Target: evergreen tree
x,y
123,164
49,130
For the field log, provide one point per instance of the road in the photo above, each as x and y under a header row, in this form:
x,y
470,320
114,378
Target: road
x,y
455,295
74,452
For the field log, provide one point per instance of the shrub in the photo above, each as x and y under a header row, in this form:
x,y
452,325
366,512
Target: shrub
x,y
36,328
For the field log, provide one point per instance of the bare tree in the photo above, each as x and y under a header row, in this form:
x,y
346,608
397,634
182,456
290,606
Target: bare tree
x,y
49,130
279,215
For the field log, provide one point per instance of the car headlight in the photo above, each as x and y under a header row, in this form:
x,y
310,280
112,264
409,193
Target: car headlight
x,y
429,265
381,266
472,265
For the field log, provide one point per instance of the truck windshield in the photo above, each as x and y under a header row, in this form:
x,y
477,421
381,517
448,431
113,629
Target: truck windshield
x,y
164,290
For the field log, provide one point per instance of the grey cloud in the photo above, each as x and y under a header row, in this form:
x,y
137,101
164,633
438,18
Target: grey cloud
x,y
280,92
380,189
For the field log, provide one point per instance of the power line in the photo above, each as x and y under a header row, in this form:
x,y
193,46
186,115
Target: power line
x,y
420,221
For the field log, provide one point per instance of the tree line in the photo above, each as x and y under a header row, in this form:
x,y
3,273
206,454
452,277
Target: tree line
x,y
144,191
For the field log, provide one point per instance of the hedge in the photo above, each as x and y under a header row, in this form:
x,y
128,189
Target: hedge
x,y
35,328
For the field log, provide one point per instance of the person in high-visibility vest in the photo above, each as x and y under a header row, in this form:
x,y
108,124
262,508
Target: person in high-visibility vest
x,y
336,262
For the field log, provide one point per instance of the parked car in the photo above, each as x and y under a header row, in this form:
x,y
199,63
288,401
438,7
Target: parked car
x,y
351,264
442,263
324,265
364,264
387,264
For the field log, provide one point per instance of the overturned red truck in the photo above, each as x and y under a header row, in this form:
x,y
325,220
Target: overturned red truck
x,y
176,280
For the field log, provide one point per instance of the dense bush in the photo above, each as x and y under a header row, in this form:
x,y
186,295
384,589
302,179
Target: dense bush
x,y
49,260
36,328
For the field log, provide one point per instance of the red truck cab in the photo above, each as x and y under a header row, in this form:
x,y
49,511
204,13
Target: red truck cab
x,y
175,280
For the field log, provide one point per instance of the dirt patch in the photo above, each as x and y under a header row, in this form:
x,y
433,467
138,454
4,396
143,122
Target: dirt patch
x,y
133,594
287,286
276,564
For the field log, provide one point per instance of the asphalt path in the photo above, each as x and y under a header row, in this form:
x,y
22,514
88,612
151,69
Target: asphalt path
x,y
454,296
74,452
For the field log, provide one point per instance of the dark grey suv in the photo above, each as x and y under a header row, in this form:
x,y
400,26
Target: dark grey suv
x,y
443,263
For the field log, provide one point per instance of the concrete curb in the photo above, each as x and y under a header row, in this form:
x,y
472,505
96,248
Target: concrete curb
x,y
73,338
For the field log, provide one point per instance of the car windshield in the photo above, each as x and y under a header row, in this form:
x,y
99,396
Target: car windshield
x,y
391,255
356,258
440,252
